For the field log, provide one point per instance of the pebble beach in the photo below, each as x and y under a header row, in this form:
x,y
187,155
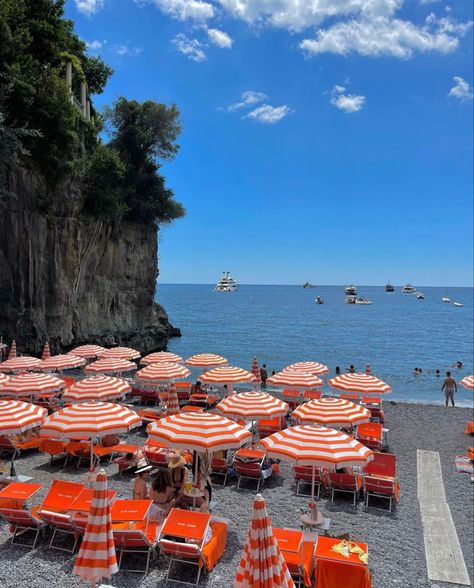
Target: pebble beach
x,y
396,548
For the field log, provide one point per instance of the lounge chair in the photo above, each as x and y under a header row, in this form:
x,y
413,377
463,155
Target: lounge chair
x,y
55,448
312,395
136,540
292,398
20,521
249,471
61,523
220,467
371,435
304,475
268,426
155,456
347,483
380,488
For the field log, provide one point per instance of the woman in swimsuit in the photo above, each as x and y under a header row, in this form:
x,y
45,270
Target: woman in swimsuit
x,y
162,494
179,473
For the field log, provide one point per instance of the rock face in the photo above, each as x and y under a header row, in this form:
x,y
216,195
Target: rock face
x,y
74,280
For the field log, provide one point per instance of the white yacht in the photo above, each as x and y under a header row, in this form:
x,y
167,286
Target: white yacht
x,y
420,295
226,283
458,304
446,299
408,289
350,290
363,301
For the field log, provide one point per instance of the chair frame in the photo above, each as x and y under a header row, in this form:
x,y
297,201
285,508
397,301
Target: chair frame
x,y
119,536
177,557
379,482
260,480
299,481
221,473
62,519
354,492
18,528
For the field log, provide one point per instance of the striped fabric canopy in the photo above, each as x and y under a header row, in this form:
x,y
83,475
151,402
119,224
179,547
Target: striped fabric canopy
x,y
312,367
331,412
17,417
121,353
110,365
172,402
46,352
206,360
161,356
252,405
256,372
19,364
28,384
294,380
363,383
91,419
160,373
262,564
199,432
318,446
468,382
100,387
3,379
88,351
58,363
96,558
227,375
12,352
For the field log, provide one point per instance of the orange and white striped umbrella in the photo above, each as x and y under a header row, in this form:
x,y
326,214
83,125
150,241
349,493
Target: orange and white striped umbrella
x,y
58,363
331,412
99,388
172,402
20,364
12,352
293,380
312,367
46,352
110,365
206,360
468,382
363,383
199,432
3,379
17,417
161,356
29,384
161,373
120,353
256,372
252,405
96,558
227,375
88,351
91,419
262,565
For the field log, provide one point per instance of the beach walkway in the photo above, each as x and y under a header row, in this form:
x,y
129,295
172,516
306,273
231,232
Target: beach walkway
x,y
444,558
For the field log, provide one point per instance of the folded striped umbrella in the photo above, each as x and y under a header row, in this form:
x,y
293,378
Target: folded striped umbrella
x,y
293,380
331,412
199,432
88,351
121,353
12,352
252,405
227,375
101,388
206,360
468,382
20,364
313,367
29,384
162,373
161,356
363,383
110,365
58,363
172,402
256,372
96,558
262,565
17,417
46,352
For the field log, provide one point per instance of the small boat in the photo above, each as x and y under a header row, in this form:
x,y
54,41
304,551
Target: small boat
x,y
350,290
350,299
420,295
408,289
458,304
308,285
226,284
446,299
319,300
389,287
363,301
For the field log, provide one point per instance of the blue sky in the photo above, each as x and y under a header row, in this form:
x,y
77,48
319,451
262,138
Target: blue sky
x,y
325,140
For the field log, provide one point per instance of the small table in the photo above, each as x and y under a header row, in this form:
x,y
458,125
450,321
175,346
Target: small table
x,y
333,569
19,478
185,524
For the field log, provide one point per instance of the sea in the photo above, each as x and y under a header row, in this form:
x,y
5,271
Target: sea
x,y
282,324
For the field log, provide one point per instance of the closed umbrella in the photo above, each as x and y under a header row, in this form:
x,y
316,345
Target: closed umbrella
x,y
88,351
110,365
256,372
361,383
331,412
12,352
312,367
59,363
101,388
121,353
227,375
46,352
161,356
20,364
468,382
31,384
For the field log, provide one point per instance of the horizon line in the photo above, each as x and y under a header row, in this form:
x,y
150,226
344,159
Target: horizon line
x,y
315,286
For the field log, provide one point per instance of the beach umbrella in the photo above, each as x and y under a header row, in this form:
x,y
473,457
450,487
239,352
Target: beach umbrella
x,y
110,365
20,364
206,360
468,382
96,558
58,363
362,383
331,412
161,356
253,406
162,373
12,352
99,388
3,379
312,367
17,417
227,375
88,351
293,380
46,352
262,565
256,372
29,384
172,402
120,353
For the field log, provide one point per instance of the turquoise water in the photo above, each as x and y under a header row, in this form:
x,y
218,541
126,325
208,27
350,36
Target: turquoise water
x,y
282,324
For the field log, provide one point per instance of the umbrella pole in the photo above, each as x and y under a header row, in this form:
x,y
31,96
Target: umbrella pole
x,y
195,477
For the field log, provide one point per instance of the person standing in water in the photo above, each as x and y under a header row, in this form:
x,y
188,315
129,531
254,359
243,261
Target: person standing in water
x,y
263,375
450,388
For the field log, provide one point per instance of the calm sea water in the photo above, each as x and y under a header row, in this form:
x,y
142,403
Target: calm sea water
x,y
282,324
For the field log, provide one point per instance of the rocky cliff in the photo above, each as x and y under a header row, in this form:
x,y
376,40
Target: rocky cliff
x,y
71,279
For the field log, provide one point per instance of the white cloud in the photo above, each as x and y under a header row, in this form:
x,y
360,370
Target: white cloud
x,y
186,9
126,51
387,36
269,114
192,48
346,102
247,99
461,89
89,6
94,44
219,38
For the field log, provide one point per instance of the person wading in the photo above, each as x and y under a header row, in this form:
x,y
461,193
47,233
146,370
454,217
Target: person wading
x,y
450,388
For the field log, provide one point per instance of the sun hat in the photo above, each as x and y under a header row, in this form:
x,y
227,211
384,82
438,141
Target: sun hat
x,y
142,466
176,461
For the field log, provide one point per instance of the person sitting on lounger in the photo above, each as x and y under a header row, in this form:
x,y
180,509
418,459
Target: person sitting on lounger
x,y
140,488
162,494
178,473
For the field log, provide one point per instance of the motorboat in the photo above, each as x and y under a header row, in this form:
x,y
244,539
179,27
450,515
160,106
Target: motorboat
x,y
389,287
308,285
458,304
319,300
363,301
446,299
226,284
408,289
420,295
350,299
350,290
